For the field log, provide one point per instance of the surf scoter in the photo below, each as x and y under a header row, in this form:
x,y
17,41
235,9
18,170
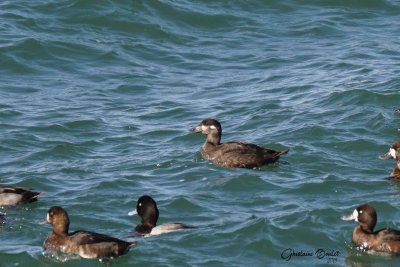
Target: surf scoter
x,y
233,153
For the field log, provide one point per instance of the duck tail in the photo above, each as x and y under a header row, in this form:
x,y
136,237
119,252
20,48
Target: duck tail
x,y
132,244
284,152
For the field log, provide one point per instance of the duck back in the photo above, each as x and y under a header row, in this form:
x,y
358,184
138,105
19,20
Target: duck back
x,y
240,154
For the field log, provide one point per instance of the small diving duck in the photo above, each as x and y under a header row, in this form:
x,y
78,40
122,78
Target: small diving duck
x,y
394,152
86,244
233,154
10,195
147,209
385,240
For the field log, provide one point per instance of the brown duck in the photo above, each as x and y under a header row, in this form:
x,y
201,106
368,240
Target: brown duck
x,y
394,152
86,244
365,238
233,154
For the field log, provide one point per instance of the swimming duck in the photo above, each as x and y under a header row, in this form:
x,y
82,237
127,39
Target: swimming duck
x,y
86,244
10,195
147,209
394,152
234,153
364,237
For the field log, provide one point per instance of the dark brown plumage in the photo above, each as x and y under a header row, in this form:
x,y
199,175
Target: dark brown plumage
x,y
10,195
394,152
233,154
83,243
385,240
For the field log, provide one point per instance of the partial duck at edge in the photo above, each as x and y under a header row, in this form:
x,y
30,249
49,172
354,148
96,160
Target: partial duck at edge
x,y
11,195
385,240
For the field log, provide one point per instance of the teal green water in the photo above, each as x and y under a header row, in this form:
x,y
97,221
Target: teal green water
x,y
96,99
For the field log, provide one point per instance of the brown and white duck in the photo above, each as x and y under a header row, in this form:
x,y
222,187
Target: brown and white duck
x,y
394,152
147,209
365,238
11,195
86,244
233,154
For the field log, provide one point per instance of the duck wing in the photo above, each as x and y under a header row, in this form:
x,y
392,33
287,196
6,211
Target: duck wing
x,y
94,245
389,234
169,227
16,195
245,155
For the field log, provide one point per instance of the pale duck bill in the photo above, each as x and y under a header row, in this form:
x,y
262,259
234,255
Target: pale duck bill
x,y
132,213
351,217
196,129
390,154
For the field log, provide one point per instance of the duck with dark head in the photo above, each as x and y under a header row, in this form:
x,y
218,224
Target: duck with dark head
x,y
365,238
233,154
146,208
86,244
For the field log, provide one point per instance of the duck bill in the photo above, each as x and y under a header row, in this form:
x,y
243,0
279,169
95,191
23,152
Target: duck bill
x,y
348,217
390,154
43,222
132,213
385,156
196,129
351,217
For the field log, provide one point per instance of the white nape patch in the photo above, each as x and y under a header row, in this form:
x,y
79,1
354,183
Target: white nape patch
x,y
392,153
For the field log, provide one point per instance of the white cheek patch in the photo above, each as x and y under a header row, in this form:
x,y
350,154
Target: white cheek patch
x,y
204,128
392,153
213,127
47,218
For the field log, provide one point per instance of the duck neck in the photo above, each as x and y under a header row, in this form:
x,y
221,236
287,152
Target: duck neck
x,y
396,171
148,222
214,138
61,229
367,228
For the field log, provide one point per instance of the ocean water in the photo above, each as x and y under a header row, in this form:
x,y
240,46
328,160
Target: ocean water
x,y
97,99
